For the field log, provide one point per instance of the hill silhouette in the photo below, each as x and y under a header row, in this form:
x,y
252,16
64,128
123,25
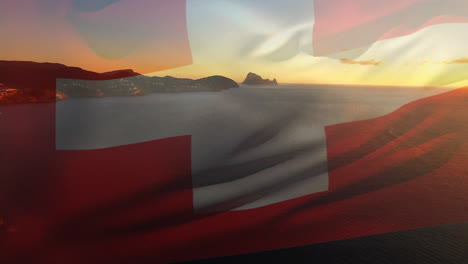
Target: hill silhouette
x,y
255,79
26,81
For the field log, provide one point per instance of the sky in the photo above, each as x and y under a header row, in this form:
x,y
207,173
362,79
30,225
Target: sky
x,y
367,42
275,39
99,35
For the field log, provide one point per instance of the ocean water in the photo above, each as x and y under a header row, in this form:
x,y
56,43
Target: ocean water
x,y
278,129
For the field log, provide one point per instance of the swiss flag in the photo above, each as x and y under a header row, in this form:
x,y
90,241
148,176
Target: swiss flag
x,y
145,202
134,203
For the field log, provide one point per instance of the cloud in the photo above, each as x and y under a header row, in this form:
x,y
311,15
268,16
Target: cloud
x,y
463,60
371,62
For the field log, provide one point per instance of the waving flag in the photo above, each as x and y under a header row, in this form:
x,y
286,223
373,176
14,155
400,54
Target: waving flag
x,y
356,24
95,169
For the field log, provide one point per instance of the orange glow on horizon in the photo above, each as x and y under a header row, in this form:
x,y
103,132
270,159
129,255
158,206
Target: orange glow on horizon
x,y
144,35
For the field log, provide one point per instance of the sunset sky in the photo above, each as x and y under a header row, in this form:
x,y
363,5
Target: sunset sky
x,y
274,38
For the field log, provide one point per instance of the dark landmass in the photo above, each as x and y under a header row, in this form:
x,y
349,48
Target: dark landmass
x,y
141,85
24,81
254,79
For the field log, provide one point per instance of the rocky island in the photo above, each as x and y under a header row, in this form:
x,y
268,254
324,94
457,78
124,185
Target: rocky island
x,y
255,79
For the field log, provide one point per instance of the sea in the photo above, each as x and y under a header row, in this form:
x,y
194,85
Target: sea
x,y
280,129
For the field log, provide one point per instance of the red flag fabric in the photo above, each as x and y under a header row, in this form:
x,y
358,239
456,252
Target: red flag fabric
x,y
357,24
137,202
102,36
134,203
